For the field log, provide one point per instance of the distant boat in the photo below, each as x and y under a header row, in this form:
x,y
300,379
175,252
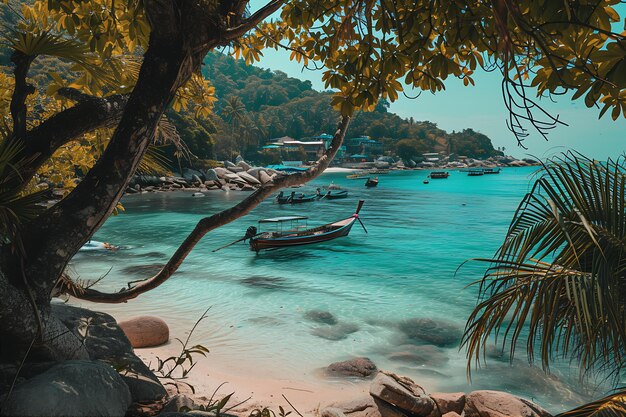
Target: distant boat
x,y
334,195
371,182
93,245
333,186
436,175
491,170
475,172
426,181
360,176
294,236
295,198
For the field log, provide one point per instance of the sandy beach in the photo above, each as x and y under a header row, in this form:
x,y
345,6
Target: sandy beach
x,y
306,394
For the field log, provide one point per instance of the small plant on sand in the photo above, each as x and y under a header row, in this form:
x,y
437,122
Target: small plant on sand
x,y
174,369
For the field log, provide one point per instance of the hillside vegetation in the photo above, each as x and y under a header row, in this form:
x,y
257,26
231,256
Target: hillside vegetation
x,y
256,105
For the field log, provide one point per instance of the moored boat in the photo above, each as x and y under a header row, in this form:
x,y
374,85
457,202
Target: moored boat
x,y
336,194
295,236
475,172
491,170
295,198
436,175
371,182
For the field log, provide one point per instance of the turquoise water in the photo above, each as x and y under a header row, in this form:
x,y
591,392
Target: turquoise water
x,y
380,286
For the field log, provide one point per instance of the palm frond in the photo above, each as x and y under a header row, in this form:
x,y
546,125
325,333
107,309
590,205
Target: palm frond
x,y
613,405
559,279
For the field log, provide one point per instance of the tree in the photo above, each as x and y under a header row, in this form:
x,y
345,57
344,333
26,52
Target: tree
x,y
557,282
409,149
135,59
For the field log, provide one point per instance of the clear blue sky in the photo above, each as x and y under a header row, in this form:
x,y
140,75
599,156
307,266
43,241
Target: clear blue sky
x,y
481,108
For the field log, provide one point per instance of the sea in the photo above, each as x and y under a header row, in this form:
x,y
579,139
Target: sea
x,y
399,294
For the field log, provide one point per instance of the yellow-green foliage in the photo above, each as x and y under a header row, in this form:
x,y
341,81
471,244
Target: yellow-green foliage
x,y
369,48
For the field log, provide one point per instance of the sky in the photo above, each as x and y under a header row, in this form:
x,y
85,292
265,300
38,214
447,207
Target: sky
x,y
481,108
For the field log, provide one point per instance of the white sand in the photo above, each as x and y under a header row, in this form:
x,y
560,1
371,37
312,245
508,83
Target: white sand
x,y
339,169
307,394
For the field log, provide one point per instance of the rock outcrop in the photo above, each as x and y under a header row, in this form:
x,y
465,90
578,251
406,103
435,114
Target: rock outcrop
x,y
71,388
357,367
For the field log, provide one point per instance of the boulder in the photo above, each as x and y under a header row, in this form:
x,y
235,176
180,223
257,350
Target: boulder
x,y
429,331
71,388
145,331
236,169
228,164
211,175
321,316
500,404
449,402
238,159
178,402
402,393
189,173
360,407
105,341
249,178
264,177
243,164
451,414
234,178
221,172
338,331
357,367
255,172
195,179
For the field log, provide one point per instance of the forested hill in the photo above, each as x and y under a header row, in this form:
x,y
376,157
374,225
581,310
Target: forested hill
x,y
255,105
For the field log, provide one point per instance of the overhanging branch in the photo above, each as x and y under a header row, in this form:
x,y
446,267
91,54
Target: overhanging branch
x,y
208,224
249,23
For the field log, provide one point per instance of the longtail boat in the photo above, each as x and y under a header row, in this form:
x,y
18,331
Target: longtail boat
x,y
295,198
475,172
371,182
335,194
295,235
436,175
491,170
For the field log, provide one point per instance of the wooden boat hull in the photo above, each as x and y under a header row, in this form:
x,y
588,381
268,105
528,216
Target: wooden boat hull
x,y
336,195
262,242
324,233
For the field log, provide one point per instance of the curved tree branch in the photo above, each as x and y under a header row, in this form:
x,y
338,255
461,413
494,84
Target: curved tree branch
x,y
208,224
249,23
20,92
88,114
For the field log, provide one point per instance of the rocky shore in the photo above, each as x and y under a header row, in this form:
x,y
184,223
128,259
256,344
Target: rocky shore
x,y
245,177
113,381
235,177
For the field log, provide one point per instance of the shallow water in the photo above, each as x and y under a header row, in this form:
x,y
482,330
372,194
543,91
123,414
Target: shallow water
x,y
384,288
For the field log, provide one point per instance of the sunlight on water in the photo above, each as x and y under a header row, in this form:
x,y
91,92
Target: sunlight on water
x,y
395,292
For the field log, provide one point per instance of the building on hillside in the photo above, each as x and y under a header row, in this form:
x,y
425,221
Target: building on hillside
x,y
363,145
328,139
289,147
433,157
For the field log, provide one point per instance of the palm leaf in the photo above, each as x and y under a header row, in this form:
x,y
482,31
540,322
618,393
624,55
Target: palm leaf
x,y
559,279
613,405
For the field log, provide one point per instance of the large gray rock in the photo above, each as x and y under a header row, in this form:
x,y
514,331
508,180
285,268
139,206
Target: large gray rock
x,y
238,159
357,367
255,172
228,164
221,172
249,178
236,169
243,164
105,341
360,407
429,331
211,175
500,404
402,393
71,388
449,401
264,177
